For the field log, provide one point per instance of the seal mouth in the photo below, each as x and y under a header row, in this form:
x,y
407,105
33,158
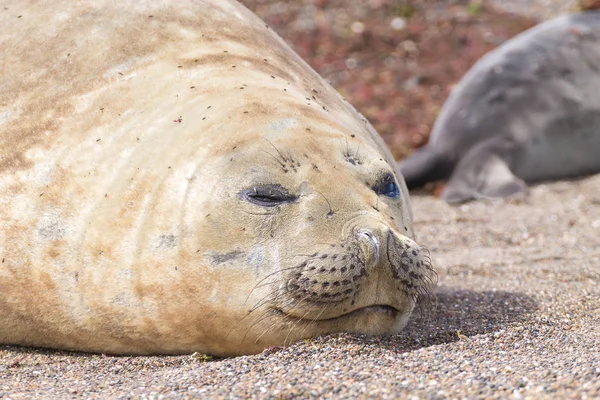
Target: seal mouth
x,y
376,309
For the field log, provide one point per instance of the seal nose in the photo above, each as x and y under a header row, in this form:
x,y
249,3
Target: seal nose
x,y
370,244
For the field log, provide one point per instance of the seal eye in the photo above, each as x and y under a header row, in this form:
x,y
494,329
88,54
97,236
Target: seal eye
x,y
388,187
267,195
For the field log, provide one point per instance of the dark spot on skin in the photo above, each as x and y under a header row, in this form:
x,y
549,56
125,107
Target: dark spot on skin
x,y
353,135
166,241
52,231
323,256
343,269
220,258
175,268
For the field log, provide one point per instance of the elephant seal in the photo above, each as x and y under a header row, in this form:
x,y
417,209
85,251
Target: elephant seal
x,y
527,111
175,179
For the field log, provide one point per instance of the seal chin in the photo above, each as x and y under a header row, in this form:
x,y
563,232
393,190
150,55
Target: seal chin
x,y
377,319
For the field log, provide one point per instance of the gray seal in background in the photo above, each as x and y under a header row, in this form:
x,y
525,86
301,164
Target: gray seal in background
x,y
528,111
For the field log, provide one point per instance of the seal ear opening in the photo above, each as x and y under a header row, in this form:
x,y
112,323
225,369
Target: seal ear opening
x,y
425,165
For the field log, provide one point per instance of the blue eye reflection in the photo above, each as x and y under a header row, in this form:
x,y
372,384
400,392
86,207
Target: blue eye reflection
x,y
391,190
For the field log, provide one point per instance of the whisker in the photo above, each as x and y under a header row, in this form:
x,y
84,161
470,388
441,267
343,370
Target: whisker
x,y
288,317
276,159
314,319
276,149
294,326
258,320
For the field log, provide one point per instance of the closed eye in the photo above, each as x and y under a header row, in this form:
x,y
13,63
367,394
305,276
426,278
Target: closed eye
x,y
387,186
267,195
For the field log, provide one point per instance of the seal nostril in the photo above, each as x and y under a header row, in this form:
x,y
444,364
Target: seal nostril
x,y
372,241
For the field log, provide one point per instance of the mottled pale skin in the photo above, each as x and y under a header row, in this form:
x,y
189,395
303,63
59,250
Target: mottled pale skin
x,y
133,137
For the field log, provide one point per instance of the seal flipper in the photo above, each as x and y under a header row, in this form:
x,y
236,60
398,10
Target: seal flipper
x,y
483,173
425,165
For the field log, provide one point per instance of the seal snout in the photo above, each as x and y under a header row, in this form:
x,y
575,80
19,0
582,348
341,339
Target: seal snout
x,y
370,259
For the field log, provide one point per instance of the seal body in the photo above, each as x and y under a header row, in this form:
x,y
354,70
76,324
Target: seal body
x,y
527,111
173,178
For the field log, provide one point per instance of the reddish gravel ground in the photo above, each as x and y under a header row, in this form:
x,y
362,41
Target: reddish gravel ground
x,y
394,60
